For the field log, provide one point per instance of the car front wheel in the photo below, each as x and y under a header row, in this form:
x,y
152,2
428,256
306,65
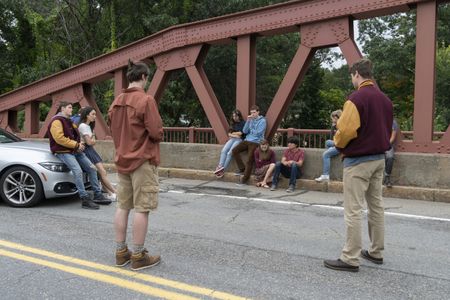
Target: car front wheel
x,y
21,187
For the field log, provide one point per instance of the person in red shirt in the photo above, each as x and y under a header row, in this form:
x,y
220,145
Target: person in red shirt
x,y
290,165
136,129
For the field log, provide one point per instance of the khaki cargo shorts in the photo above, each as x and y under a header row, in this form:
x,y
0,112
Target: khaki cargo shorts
x,y
139,189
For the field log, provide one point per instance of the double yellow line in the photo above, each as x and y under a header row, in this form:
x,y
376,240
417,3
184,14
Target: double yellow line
x,y
118,281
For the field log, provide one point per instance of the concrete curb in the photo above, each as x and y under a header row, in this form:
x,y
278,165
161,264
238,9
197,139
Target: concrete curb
x,y
403,192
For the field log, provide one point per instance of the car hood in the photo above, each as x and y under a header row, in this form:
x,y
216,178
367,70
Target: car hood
x,y
28,145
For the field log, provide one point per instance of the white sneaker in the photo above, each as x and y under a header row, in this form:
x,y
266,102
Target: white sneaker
x,y
112,197
323,178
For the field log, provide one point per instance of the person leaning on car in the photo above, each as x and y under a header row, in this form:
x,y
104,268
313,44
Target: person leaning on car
x,y
65,144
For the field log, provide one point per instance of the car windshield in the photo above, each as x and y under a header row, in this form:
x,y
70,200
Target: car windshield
x,y
7,137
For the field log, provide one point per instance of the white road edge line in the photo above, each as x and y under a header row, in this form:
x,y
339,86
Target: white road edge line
x,y
410,216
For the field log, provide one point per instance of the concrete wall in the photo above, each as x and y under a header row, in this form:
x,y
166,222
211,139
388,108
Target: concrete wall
x,y
415,170
415,176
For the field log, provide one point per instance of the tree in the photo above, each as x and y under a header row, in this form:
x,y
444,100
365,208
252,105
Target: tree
x,y
390,43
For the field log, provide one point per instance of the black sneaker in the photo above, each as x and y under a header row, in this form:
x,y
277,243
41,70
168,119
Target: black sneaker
x,y
100,199
87,203
388,183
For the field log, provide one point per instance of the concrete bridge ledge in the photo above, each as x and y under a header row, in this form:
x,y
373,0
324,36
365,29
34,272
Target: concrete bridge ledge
x,y
403,192
415,176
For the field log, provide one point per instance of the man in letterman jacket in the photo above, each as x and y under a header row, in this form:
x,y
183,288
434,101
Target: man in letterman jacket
x,y
362,137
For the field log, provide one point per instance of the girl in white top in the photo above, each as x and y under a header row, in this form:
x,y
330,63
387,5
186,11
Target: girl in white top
x,y
86,129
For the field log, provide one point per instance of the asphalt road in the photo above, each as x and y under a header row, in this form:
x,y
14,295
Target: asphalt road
x,y
222,241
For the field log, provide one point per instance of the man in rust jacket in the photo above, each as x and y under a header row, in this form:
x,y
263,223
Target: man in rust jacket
x,y
362,137
136,128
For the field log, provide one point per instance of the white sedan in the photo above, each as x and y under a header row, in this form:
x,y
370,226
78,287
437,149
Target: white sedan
x,y
29,172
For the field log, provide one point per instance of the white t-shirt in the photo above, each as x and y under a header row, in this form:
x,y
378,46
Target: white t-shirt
x,y
85,129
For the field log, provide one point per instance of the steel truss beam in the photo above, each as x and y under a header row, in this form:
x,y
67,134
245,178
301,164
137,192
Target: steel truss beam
x,y
322,23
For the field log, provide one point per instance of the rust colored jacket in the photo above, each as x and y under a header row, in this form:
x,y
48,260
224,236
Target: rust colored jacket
x,y
136,128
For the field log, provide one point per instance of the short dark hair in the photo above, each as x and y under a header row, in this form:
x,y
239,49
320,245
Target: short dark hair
x,y
293,140
254,107
364,68
136,70
63,104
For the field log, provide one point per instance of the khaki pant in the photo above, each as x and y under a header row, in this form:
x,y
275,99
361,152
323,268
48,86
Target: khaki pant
x,y
139,189
363,181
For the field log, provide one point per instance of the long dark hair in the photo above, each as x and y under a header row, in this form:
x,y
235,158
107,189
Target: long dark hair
x,y
264,155
239,114
84,112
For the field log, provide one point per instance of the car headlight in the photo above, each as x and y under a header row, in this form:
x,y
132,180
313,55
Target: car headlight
x,y
55,166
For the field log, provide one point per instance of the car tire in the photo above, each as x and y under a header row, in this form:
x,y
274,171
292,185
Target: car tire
x,y
21,187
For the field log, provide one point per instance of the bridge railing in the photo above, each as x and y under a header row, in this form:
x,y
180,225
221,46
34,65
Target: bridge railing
x,y
309,138
408,135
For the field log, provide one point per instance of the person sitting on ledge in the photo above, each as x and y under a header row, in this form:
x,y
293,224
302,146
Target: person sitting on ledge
x,y
331,149
254,129
264,164
290,165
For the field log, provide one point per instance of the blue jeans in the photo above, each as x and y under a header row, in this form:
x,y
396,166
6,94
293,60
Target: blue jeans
x,y
77,163
327,155
227,154
293,173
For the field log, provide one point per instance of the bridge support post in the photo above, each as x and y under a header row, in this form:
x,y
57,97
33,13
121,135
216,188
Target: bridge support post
x,y
192,59
350,51
246,73
313,36
8,120
158,84
209,102
4,119
287,89
120,81
31,125
425,80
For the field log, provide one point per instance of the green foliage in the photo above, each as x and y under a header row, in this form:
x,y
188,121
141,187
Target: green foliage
x,y
41,37
442,106
387,38
390,42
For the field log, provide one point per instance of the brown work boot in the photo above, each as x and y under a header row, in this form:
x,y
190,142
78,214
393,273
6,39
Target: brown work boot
x,y
142,260
123,257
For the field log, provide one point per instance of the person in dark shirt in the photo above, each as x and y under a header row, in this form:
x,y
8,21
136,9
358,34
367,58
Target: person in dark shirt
x,y
389,156
236,136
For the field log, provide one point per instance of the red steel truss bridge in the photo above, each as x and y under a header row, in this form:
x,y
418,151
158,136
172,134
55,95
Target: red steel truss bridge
x,y
321,24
